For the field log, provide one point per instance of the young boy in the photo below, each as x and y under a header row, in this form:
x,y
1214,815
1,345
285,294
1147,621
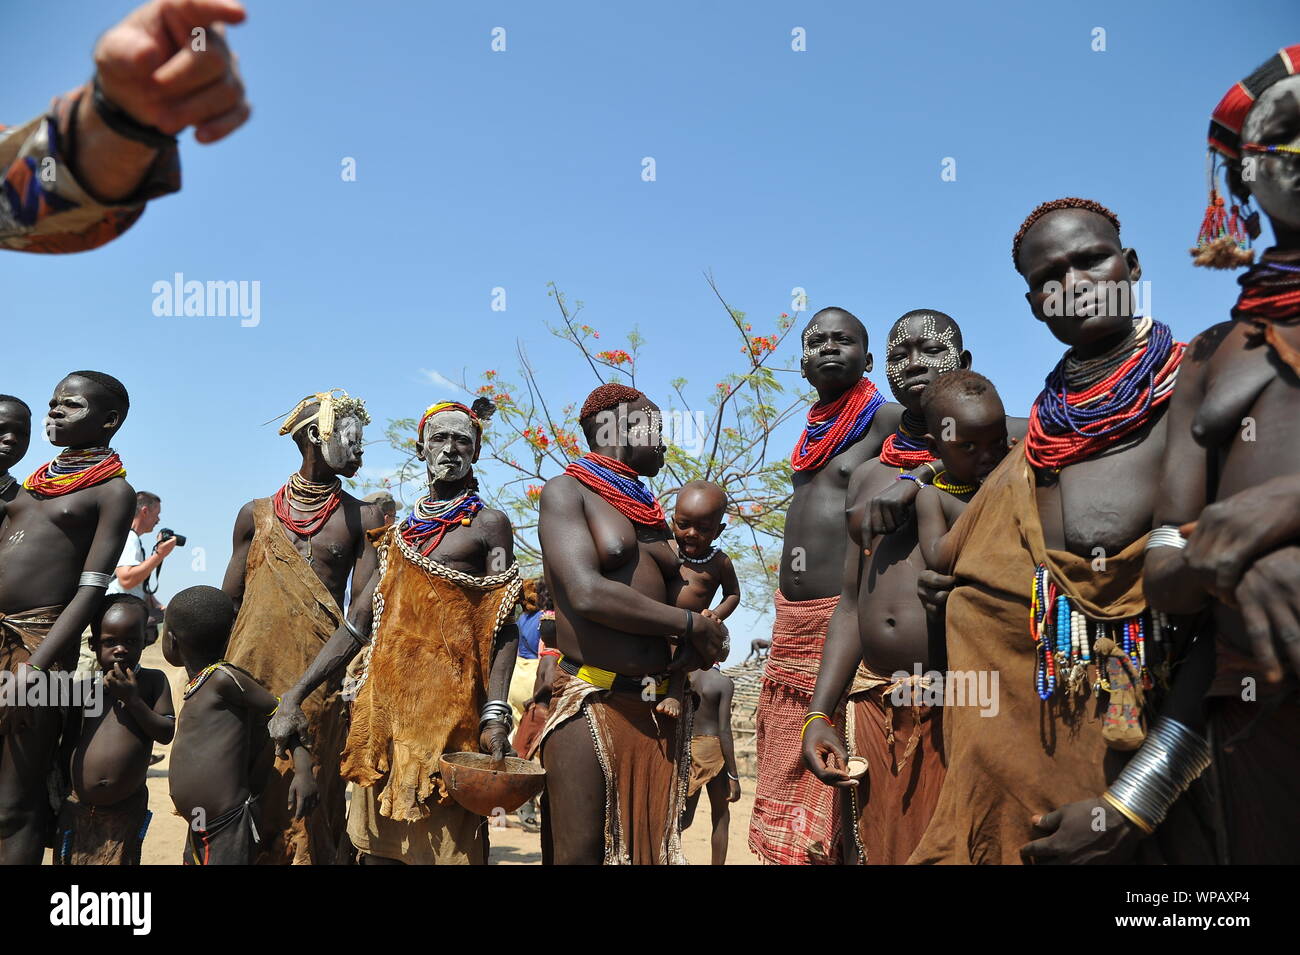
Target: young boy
x,y
104,818
222,748
697,523
15,436
967,430
63,532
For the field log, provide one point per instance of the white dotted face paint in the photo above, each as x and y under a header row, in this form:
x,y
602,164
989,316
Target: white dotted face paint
x,y
926,331
645,428
808,350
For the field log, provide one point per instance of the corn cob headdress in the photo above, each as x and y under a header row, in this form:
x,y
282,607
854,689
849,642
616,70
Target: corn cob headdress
x,y
331,406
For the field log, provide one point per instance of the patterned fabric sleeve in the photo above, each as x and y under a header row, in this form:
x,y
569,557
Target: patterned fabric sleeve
x,y
42,206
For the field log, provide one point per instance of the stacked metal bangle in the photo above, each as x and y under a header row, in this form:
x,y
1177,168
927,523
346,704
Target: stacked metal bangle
x,y
361,637
90,578
1167,536
1169,761
496,711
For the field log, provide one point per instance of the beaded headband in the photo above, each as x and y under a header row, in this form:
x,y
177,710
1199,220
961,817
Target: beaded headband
x,y
451,406
1226,231
332,407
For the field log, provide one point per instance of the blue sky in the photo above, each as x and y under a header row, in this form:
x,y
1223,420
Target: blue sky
x,y
479,169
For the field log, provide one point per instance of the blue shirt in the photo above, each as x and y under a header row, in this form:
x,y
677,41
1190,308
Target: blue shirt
x,y
530,634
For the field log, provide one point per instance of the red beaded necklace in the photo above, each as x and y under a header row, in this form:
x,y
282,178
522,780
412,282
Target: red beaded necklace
x,y
902,449
1270,295
619,486
319,501
1071,420
833,425
74,470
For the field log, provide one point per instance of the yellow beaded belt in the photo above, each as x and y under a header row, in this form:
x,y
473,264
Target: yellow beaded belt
x,y
609,680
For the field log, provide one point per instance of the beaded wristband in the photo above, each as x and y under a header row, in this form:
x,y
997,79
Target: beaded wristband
x,y
910,477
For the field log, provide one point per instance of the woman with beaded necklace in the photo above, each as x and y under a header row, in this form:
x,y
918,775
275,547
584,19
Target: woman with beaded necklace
x,y
616,775
1059,529
1228,523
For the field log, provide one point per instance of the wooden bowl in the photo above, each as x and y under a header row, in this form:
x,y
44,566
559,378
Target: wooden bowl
x,y
857,767
483,785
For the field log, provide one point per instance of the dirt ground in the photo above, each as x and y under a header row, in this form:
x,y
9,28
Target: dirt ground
x,y
510,846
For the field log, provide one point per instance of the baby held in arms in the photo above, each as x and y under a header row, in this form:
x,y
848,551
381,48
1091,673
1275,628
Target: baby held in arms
x,y
696,524
966,429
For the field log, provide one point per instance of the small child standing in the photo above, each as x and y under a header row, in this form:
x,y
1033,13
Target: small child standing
x,y
222,747
104,819
967,430
697,523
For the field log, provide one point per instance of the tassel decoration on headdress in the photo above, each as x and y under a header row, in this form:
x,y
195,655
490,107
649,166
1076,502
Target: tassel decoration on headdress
x,y
1227,230
1223,242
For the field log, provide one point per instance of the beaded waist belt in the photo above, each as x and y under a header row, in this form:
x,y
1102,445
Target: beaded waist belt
x,y
609,680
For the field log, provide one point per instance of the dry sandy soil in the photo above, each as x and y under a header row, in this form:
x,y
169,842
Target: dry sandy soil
x,y
510,846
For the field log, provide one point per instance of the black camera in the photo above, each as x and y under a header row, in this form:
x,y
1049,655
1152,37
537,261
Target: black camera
x,y
167,534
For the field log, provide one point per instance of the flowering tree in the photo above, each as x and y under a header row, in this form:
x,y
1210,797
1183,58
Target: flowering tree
x,y
721,434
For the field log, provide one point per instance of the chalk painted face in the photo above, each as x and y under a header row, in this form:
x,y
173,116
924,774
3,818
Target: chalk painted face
x,y
78,415
917,352
343,451
449,445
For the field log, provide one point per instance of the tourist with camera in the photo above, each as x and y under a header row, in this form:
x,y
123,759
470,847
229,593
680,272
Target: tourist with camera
x,y
133,567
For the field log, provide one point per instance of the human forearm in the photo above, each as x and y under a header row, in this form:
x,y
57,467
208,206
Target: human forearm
x,y
841,654
67,630
619,607
109,166
727,741
1169,583
134,576
931,528
302,762
157,727
330,661
728,606
1192,675
502,670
